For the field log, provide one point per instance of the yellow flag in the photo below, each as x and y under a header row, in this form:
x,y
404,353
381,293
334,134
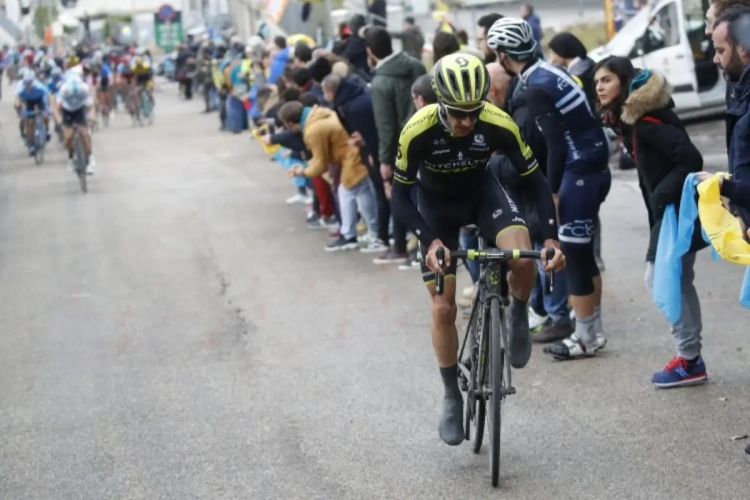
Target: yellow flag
x,y
723,229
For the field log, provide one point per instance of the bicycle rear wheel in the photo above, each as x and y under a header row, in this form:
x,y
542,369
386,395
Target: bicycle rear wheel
x,y
498,335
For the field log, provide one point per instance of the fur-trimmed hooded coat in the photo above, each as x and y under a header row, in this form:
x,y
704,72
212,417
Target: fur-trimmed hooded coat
x,y
663,152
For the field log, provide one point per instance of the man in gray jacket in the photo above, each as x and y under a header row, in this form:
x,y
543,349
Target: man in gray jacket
x,y
391,99
412,39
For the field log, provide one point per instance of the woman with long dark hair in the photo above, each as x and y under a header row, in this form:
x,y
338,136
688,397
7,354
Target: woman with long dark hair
x,y
638,104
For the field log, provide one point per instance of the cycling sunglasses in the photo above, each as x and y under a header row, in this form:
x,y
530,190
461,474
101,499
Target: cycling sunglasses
x,y
461,113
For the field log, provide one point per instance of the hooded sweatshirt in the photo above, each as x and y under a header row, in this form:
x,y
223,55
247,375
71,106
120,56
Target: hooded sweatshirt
x,y
663,153
391,96
353,104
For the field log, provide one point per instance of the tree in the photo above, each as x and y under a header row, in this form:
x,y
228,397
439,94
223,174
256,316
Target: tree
x,y
43,17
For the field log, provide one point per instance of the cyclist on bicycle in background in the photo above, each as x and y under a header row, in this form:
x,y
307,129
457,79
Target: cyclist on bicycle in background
x,y
444,148
54,83
577,169
72,60
73,106
105,78
55,80
126,82
32,95
144,77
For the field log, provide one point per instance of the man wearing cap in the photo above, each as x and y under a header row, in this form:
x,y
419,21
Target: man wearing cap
x,y
412,39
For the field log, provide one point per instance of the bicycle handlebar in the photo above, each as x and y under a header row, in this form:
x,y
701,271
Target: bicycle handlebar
x,y
495,254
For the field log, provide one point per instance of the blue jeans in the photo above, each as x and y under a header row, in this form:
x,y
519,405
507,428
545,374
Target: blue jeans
x,y
555,304
360,199
469,240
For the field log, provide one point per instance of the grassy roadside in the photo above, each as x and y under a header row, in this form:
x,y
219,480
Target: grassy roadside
x,y
592,35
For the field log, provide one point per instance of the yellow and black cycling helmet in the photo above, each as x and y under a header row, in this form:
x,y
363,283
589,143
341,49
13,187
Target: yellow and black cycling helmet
x,y
71,61
460,80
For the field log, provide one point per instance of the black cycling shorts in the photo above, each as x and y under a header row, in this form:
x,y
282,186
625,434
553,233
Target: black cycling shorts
x,y
491,209
34,105
104,83
70,118
581,196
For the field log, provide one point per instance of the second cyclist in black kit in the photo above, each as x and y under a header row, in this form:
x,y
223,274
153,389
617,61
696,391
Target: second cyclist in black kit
x,y
444,149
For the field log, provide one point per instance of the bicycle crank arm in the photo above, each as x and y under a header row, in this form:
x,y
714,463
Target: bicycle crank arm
x,y
487,392
464,370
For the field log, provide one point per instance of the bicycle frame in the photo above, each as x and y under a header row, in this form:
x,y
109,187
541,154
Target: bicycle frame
x,y
488,376
492,284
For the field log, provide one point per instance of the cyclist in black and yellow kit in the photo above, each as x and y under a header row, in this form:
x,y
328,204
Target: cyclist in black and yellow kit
x,y
444,149
144,77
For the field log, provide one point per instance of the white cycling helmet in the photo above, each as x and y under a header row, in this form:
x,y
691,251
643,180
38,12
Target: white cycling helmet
x,y
75,72
512,35
28,77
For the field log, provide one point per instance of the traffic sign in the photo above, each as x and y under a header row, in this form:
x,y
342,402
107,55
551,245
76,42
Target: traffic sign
x,y
168,27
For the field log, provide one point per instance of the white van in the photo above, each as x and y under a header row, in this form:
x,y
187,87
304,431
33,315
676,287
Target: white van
x,y
675,45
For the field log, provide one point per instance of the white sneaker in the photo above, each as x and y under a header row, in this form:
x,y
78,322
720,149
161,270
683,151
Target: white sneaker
x,y
364,239
374,245
468,292
414,264
574,348
298,198
71,166
535,320
91,167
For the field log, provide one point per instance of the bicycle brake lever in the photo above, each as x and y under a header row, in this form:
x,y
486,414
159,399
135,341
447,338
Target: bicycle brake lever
x,y
549,283
439,278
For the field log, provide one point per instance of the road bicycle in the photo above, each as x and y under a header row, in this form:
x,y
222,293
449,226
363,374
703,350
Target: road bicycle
x,y
80,160
146,105
40,137
484,368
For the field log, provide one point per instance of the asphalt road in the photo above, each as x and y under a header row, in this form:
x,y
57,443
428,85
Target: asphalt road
x,y
178,333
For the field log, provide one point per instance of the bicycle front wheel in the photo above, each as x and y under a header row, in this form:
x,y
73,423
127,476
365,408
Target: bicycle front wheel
x,y
40,139
497,370
476,404
80,162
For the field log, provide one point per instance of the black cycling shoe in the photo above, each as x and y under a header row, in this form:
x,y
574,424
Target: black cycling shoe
x,y
451,428
519,348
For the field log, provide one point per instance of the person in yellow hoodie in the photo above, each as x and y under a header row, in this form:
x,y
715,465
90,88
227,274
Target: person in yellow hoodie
x,y
329,144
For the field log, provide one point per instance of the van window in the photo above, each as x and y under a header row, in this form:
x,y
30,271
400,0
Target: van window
x,y
695,25
622,42
664,31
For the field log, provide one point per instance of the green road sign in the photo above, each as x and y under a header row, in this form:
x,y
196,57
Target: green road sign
x,y
168,28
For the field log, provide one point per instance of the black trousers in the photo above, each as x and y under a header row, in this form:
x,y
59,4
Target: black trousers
x,y
384,214
223,108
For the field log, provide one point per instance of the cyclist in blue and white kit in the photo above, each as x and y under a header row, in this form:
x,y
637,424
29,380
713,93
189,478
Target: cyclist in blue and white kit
x,y
32,96
55,80
577,171
105,79
54,83
73,105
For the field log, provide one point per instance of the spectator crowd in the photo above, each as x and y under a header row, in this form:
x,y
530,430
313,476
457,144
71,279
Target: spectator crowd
x,y
332,116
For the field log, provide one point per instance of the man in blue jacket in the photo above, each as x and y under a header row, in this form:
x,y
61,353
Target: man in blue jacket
x,y
353,105
279,60
733,56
